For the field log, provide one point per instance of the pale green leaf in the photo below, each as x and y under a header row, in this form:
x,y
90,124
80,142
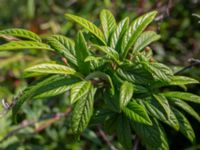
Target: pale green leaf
x,y
137,113
87,25
183,96
126,93
134,31
16,45
182,80
144,40
51,69
21,33
108,23
79,90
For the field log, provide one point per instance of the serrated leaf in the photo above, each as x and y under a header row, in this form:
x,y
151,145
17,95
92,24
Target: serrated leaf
x,y
156,111
144,40
108,23
109,51
79,90
82,53
153,137
183,96
134,31
21,33
64,46
182,80
16,45
124,132
187,108
51,69
126,93
88,25
185,126
82,112
118,33
137,113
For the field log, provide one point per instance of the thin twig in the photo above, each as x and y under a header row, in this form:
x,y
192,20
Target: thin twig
x,y
27,123
105,138
136,143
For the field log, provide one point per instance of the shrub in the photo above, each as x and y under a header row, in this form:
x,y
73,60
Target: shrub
x,y
112,80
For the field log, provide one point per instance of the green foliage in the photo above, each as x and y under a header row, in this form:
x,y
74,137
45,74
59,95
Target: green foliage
x,y
109,72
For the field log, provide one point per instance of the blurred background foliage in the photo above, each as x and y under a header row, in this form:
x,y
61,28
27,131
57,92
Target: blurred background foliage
x,y
177,23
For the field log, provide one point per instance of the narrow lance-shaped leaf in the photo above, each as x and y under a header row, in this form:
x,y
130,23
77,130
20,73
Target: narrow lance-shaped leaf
x,y
64,46
183,96
144,40
51,69
137,113
82,112
118,33
187,108
88,25
135,30
79,90
16,45
182,80
21,33
82,53
108,23
185,126
126,93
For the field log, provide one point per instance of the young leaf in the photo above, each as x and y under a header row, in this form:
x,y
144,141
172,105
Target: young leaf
x,y
16,45
144,40
137,113
82,53
185,126
124,132
118,33
79,90
135,30
88,25
21,33
181,80
108,23
126,93
153,137
51,69
183,96
109,51
64,46
82,112
187,108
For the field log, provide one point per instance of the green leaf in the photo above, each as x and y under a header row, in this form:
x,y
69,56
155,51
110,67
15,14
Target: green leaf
x,y
79,90
118,33
144,40
134,31
82,53
88,25
185,126
183,96
16,45
126,93
108,23
181,80
153,137
110,52
51,69
156,111
124,132
64,46
21,33
82,112
137,113
187,108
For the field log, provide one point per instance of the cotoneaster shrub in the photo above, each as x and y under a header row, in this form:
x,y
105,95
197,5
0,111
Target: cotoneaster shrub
x,y
112,80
